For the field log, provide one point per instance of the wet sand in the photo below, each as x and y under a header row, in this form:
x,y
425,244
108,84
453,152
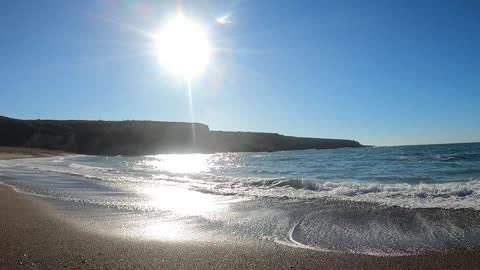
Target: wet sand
x,y
34,236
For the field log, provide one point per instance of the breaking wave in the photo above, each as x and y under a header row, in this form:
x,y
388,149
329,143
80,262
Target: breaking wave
x,y
411,177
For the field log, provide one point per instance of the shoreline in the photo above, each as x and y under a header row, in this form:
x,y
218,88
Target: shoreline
x,y
33,236
22,152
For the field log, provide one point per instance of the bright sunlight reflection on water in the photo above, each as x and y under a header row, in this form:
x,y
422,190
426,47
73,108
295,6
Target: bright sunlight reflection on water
x,y
177,200
181,201
185,163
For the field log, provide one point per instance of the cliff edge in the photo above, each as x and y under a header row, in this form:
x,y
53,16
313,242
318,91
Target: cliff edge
x,y
147,137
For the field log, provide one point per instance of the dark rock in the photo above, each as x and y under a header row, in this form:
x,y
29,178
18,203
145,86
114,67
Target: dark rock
x,y
147,137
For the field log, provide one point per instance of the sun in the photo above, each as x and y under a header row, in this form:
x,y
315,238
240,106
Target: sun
x,y
183,47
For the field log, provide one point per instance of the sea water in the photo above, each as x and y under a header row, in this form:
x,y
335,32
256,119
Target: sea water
x,y
380,200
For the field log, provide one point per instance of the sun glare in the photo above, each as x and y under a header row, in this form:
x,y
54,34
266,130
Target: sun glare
x,y
183,47
181,164
182,201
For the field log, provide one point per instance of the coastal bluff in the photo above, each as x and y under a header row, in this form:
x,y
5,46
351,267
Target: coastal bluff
x,y
147,137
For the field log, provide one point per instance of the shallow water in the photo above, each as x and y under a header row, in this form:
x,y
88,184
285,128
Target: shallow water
x,y
380,200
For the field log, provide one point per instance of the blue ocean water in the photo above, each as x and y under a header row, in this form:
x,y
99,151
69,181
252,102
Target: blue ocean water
x,y
290,197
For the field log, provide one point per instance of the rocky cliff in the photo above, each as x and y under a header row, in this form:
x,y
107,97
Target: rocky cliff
x,y
147,137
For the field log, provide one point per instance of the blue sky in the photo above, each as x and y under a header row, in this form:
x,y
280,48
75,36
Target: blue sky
x,y
381,72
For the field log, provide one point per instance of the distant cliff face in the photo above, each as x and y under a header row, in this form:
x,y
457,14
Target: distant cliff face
x,y
265,142
147,137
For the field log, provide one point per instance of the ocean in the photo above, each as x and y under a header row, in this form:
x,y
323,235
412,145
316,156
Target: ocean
x,y
374,200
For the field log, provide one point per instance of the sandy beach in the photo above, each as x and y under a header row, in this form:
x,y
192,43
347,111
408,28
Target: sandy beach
x,y
22,152
34,236
188,134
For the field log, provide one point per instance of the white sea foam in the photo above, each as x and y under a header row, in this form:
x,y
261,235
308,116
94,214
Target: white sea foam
x,y
255,180
454,195
303,199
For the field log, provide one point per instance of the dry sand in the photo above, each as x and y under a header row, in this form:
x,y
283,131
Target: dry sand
x,y
33,236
